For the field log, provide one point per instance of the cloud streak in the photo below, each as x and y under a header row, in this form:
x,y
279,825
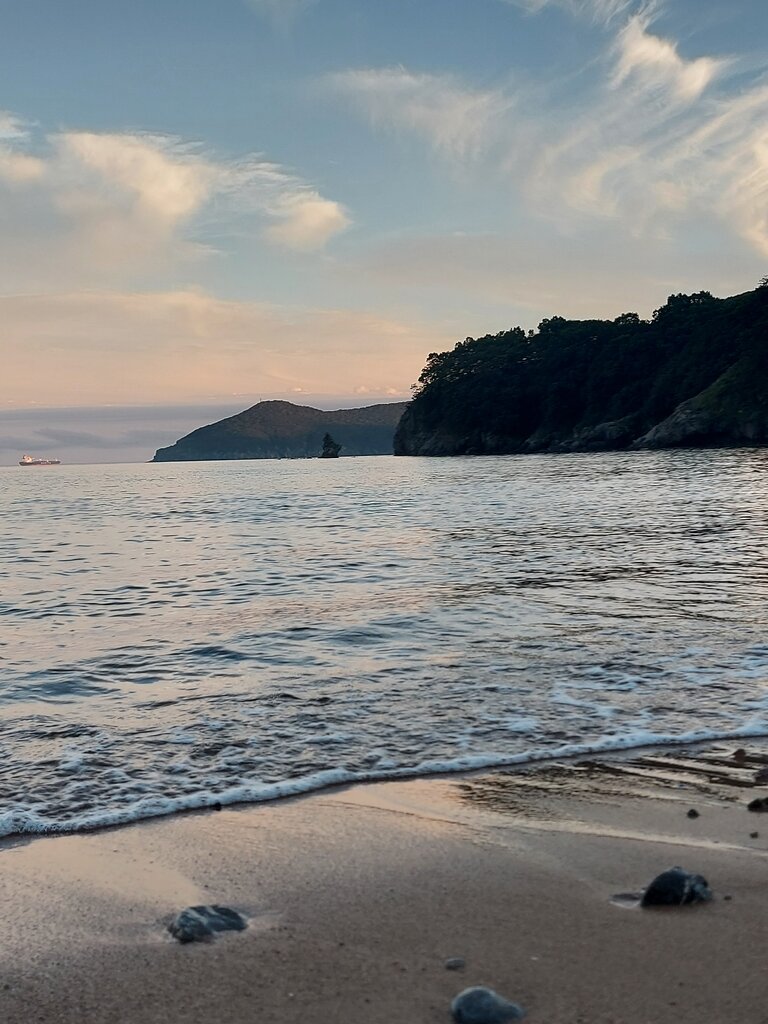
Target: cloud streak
x,y
11,126
98,206
646,136
658,65
459,122
601,11
305,221
154,176
281,12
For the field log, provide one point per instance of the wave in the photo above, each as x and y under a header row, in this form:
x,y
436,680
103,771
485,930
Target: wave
x,y
20,822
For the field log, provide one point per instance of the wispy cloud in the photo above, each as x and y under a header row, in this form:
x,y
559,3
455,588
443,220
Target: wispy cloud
x,y
298,216
158,178
16,167
661,139
603,11
656,63
111,203
457,120
305,221
11,127
647,136
281,12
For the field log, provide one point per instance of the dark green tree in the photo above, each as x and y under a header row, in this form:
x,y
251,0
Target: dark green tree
x,y
607,381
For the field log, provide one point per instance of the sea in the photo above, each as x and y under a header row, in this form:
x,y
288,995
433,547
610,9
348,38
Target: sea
x,y
181,636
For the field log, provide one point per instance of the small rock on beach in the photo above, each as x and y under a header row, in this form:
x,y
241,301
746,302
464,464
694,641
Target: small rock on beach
x,y
483,1006
674,888
455,963
197,924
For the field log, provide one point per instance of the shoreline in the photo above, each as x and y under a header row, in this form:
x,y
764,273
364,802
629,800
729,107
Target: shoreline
x,y
331,779
358,895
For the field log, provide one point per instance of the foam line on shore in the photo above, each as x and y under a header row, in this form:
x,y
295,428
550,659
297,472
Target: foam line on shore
x,y
28,822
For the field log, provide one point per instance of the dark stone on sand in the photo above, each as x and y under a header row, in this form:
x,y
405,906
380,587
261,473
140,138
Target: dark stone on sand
x,y
455,963
754,835
197,924
693,813
675,888
760,803
484,1006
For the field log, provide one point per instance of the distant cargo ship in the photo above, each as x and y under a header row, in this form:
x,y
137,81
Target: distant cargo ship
x,y
31,460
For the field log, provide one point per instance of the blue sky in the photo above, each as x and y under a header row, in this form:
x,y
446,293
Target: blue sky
x,y
204,203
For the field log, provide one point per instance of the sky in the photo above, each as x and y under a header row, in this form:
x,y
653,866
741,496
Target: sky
x,y
206,203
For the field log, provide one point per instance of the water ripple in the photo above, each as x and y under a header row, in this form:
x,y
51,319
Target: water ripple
x,y
175,635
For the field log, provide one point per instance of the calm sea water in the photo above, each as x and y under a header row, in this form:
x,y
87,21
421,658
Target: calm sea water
x,y
175,635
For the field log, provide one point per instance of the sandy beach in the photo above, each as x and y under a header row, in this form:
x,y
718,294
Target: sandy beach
x,y
356,898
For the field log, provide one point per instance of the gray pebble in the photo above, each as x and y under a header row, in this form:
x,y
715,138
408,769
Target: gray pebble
x,y
455,963
483,1006
196,924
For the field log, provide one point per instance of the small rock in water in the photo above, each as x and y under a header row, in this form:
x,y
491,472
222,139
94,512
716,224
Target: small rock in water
x,y
740,754
674,888
455,963
693,813
196,924
760,803
754,835
761,776
484,1006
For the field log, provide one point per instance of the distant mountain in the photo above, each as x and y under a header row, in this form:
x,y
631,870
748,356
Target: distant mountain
x,y
695,375
282,430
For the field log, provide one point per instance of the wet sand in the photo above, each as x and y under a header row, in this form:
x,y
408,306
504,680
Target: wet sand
x,y
356,897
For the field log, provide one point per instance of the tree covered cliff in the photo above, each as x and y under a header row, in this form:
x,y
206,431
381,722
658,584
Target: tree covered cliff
x,y
695,374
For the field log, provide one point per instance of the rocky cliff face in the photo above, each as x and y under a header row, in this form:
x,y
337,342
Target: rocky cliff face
x,y
282,430
414,438
731,412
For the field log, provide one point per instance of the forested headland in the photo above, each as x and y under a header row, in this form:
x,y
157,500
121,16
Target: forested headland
x,y
694,374
282,430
